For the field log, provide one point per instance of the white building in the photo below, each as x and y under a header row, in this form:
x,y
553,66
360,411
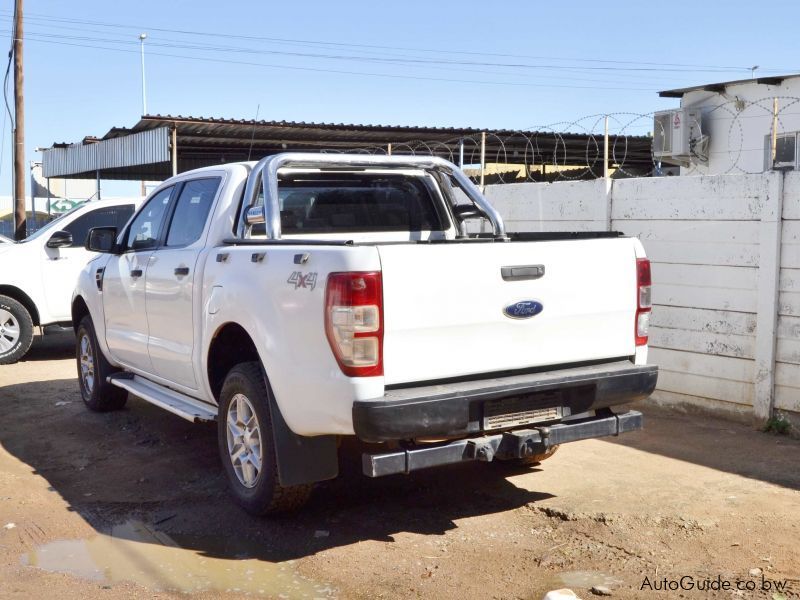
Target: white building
x,y
736,120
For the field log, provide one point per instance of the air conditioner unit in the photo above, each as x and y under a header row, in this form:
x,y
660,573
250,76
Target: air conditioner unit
x,y
785,151
677,137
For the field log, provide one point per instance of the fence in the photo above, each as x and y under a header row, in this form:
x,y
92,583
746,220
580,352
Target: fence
x,y
738,130
725,254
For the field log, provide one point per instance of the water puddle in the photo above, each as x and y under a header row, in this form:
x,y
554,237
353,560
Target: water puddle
x,y
587,579
135,552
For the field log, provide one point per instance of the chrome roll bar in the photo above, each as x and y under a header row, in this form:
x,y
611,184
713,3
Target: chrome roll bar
x,y
264,178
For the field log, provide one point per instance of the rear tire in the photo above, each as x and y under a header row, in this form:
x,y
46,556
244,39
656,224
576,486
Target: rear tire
x,y
246,445
16,330
98,395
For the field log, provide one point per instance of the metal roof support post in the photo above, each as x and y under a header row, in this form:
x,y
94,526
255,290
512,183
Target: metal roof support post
x,y
774,140
607,175
48,195
605,151
33,199
174,149
483,160
389,149
98,184
461,153
607,178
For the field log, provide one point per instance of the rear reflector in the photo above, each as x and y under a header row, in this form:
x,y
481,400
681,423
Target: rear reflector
x,y
354,322
643,301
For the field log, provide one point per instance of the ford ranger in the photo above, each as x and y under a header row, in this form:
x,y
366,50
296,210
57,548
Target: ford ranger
x,y
308,297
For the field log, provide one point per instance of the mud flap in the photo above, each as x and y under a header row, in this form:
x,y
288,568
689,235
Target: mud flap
x,y
301,459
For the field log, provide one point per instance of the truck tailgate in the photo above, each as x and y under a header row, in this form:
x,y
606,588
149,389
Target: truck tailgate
x,y
444,306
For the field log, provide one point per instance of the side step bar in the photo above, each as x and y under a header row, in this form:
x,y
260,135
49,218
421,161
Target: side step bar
x,y
179,404
510,444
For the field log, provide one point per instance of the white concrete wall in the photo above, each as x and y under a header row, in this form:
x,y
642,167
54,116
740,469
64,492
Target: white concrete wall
x,y
571,205
787,373
725,328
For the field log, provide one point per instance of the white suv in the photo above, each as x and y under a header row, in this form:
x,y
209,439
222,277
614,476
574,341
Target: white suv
x,y
38,274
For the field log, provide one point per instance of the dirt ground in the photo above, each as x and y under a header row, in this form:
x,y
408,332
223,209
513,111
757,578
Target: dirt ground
x,y
133,504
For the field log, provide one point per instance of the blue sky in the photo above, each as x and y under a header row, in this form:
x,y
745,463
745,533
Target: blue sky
x,y
406,63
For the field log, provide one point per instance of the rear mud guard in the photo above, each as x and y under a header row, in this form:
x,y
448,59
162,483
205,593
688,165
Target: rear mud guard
x,y
301,459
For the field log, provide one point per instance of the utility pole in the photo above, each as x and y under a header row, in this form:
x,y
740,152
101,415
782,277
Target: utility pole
x,y
142,38
20,221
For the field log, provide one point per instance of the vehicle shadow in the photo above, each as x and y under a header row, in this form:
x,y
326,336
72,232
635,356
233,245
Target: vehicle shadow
x,y
718,443
152,467
51,346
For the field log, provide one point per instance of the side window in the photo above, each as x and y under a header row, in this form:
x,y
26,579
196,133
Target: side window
x,y
109,216
146,227
191,211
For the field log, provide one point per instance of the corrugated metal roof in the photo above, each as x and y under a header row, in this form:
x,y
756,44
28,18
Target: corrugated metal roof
x,y
206,141
142,148
149,121
720,87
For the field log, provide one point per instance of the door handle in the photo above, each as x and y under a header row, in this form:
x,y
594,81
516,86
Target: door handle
x,y
180,271
522,272
136,273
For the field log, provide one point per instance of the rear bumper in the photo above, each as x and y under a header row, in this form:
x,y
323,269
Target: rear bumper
x,y
508,445
458,409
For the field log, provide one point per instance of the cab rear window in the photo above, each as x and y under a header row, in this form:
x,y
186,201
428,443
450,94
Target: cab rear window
x,y
330,203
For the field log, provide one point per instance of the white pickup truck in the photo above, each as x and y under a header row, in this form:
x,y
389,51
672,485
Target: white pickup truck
x,y
37,275
310,296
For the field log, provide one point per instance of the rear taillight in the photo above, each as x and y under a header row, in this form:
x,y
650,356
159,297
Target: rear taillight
x,y
643,301
354,322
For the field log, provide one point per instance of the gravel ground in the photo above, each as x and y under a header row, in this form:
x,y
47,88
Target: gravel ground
x,y
133,504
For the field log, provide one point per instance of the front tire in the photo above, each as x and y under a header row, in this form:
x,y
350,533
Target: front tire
x,y
246,445
93,369
16,330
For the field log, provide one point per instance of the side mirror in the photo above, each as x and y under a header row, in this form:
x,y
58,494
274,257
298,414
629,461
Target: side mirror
x,y
254,215
60,239
102,239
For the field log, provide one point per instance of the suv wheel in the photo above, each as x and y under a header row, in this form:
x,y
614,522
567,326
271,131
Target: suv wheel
x,y
16,330
93,369
246,445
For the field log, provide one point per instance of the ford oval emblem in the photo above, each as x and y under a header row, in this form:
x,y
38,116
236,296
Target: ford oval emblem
x,y
524,309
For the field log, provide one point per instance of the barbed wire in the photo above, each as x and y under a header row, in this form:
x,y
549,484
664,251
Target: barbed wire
x,y
736,137
733,131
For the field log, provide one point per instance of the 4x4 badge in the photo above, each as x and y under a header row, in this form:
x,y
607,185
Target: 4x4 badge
x,y
303,280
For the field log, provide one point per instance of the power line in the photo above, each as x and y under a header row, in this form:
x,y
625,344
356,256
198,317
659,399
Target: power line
x,y
125,36
8,70
35,36
343,72
401,61
6,115
643,66
5,99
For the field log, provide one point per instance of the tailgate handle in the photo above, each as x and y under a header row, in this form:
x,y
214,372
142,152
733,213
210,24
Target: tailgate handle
x,y
522,272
